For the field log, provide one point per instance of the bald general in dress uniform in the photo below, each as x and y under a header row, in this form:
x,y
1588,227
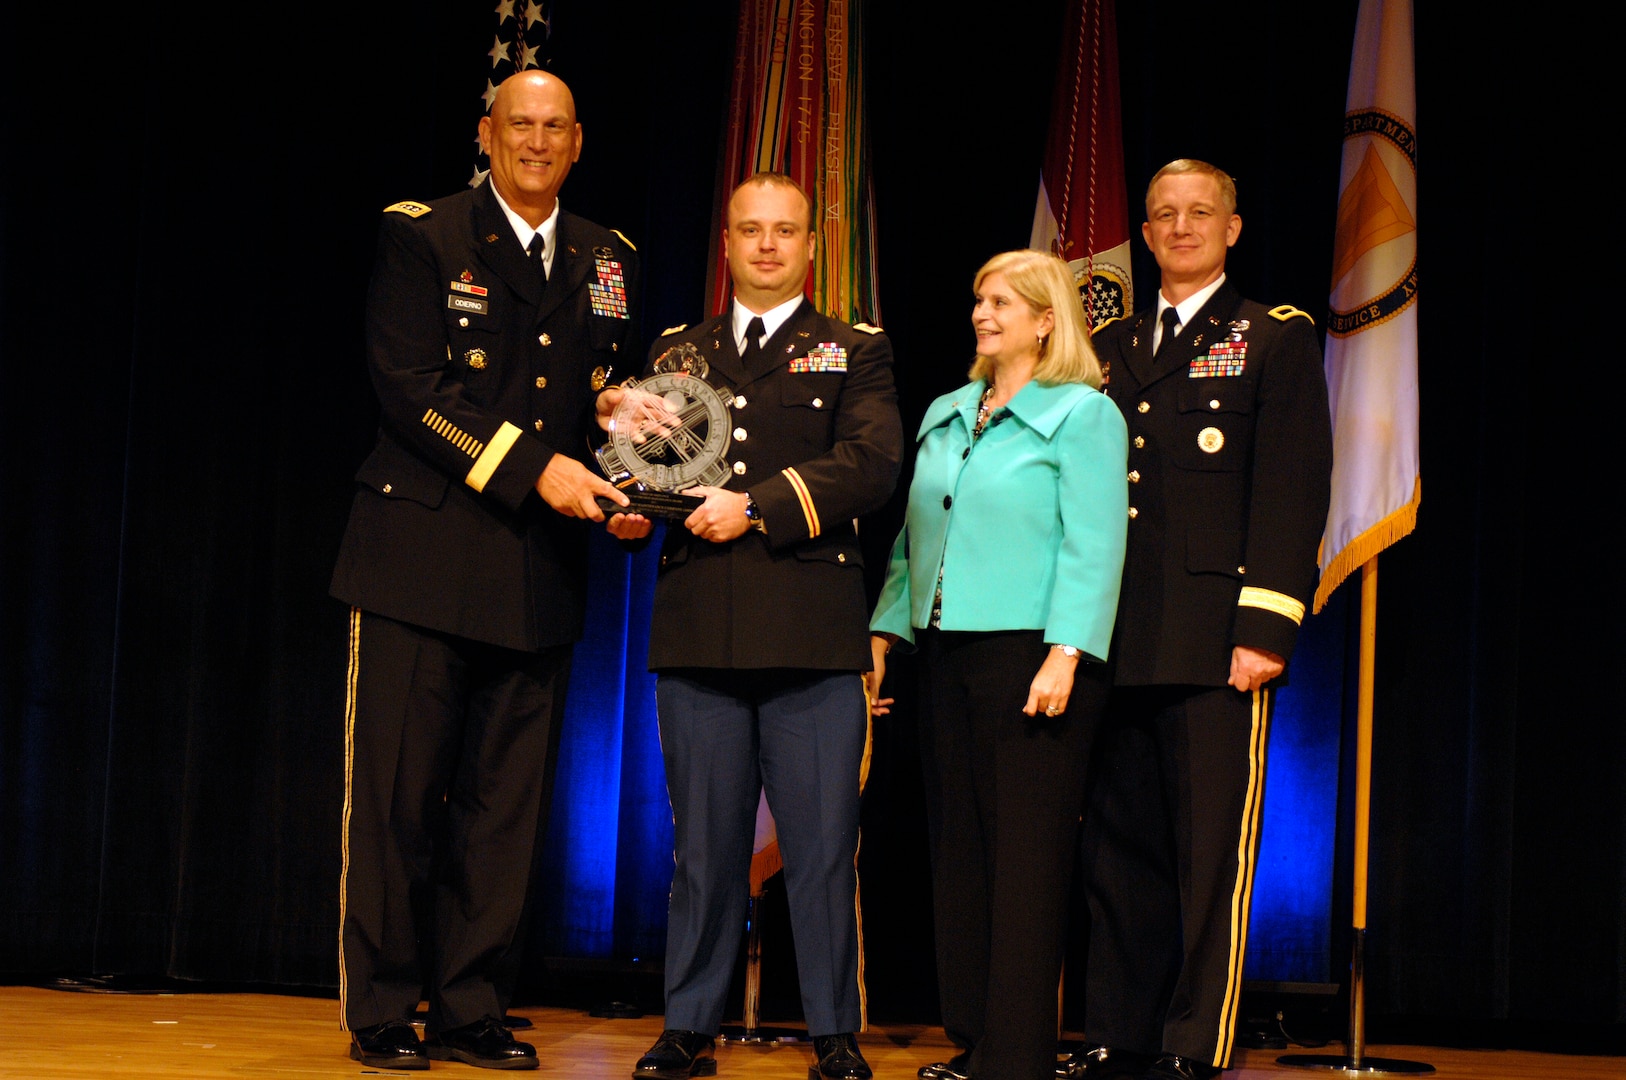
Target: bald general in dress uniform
x,y
1230,463
464,564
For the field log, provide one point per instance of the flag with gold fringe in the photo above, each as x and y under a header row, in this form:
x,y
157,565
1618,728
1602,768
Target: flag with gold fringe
x,y
1372,326
1083,209
796,106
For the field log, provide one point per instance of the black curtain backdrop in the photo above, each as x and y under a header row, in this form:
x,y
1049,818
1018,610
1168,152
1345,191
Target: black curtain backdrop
x,y
187,212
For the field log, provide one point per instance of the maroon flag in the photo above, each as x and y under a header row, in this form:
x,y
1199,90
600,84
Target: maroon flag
x,y
1083,209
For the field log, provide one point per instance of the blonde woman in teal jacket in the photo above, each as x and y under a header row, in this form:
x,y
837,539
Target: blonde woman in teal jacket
x,y
1005,576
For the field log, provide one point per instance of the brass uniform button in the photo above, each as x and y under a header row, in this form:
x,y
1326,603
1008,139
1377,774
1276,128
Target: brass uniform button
x,y
1134,513
1144,407
739,434
739,468
541,382
1134,476
1140,442
539,425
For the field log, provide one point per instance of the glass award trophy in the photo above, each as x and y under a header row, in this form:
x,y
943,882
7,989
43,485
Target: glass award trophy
x,y
669,432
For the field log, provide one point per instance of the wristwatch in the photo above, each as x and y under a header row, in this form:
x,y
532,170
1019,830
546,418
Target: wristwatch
x,y
754,516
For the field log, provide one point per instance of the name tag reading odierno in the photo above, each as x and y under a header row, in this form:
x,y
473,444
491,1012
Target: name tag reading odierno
x,y
464,303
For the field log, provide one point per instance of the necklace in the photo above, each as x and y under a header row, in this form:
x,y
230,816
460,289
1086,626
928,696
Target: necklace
x,y
982,412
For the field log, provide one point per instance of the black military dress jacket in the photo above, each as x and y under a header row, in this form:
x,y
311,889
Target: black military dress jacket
x,y
482,374
817,441
1230,465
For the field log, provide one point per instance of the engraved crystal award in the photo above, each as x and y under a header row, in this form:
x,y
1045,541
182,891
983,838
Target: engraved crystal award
x,y
669,432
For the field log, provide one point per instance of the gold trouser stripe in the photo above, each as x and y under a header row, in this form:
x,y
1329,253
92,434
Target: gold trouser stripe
x,y
858,914
805,497
1247,857
1280,603
353,670
486,464
858,907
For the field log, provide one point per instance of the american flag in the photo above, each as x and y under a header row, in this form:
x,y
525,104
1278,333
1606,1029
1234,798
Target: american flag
x,y
521,43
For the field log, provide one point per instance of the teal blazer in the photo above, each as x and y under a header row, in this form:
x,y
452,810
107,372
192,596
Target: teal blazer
x,y
1027,525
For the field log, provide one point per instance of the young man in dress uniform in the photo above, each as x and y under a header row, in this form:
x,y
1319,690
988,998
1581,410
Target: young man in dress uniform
x,y
489,312
760,635
1230,462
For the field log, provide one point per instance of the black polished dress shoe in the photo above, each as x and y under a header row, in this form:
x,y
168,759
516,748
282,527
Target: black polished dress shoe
x,y
484,1043
390,1045
955,1068
1175,1067
837,1058
1096,1062
678,1055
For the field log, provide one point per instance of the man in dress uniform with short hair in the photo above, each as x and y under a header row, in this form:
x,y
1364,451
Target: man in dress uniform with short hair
x,y
488,314
1230,463
760,635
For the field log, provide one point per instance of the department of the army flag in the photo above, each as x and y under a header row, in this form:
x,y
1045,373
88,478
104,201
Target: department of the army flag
x,y
1083,209
1372,326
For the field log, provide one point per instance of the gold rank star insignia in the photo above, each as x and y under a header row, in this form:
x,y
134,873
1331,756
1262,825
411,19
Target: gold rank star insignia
x,y
476,359
1210,439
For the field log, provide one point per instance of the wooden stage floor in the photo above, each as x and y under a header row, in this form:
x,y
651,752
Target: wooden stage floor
x,y
230,1036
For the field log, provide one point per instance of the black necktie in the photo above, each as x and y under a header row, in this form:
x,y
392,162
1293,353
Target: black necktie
x,y
753,340
538,245
1171,319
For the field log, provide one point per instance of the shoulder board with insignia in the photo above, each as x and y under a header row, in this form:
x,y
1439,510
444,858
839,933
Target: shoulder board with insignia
x,y
866,328
674,329
410,209
624,239
1288,311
